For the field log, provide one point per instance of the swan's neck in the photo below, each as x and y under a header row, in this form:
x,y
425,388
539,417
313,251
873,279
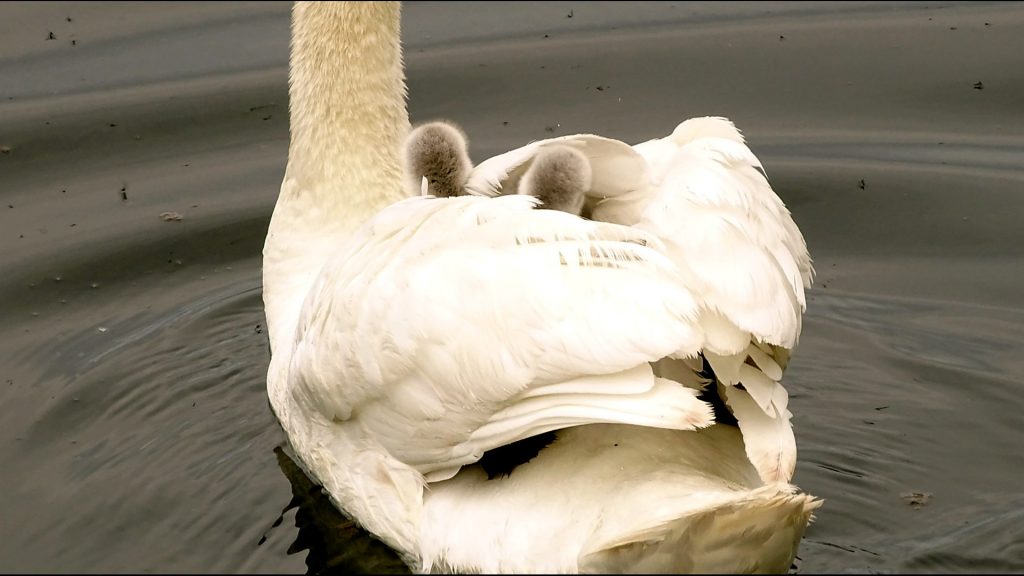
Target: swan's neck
x,y
348,118
347,93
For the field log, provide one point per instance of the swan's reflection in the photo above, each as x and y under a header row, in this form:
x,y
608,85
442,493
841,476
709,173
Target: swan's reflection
x,y
336,545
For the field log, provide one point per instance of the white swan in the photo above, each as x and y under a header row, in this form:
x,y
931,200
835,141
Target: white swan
x,y
409,337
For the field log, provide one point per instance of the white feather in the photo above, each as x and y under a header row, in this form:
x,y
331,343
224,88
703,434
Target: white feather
x,y
766,363
768,440
616,168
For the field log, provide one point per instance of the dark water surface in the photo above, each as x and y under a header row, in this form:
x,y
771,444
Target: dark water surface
x,y
135,434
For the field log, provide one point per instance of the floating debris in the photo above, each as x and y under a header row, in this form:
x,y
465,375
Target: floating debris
x,y
979,86
124,192
5,149
569,15
861,184
916,499
101,329
171,216
51,36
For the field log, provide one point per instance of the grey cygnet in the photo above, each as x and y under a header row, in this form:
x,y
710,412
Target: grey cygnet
x,y
559,177
438,151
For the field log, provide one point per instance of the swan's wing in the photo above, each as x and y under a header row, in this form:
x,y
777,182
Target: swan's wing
x,y
732,235
745,261
452,326
500,175
616,168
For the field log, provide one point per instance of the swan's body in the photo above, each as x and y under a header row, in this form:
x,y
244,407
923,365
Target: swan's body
x,y
410,337
437,159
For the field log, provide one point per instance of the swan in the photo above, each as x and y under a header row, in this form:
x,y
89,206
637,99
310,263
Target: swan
x,y
437,159
411,336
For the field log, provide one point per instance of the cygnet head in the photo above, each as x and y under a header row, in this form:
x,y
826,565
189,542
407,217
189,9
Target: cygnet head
x,y
438,152
559,177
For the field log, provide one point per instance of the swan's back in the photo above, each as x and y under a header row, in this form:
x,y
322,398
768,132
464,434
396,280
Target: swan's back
x,y
462,324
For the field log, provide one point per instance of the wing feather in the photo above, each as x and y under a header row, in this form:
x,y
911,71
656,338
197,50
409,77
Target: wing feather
x,y
451,326
615,167
747,263
768,441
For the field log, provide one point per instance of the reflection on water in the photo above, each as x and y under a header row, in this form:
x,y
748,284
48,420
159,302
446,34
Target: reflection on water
x,y
134,428
335,544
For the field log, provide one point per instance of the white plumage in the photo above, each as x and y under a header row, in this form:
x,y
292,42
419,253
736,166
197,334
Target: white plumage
x,y
735,246
410,337
442,366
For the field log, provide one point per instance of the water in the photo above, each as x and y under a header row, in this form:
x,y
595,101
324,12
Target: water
x,y
134,427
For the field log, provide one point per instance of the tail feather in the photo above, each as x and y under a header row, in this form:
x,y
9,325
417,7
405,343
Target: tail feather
x,y
758,532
